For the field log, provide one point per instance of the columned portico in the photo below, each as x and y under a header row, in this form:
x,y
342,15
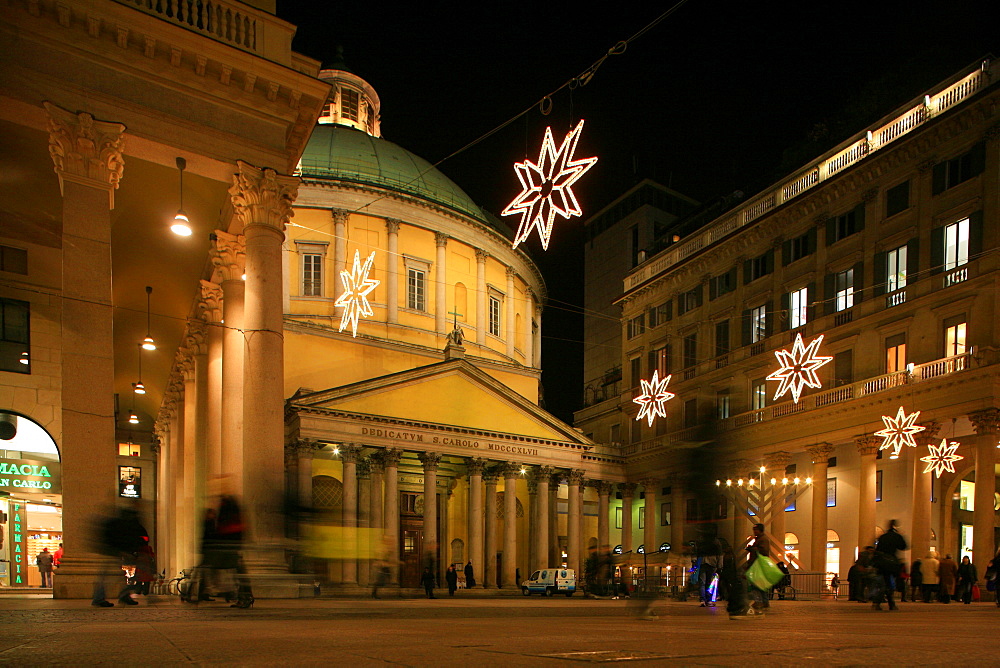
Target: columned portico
x,y
987,425
475,468
628,494
489,569
867,447
510,474
820,455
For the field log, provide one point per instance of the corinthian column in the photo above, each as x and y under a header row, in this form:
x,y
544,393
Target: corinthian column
x,y
262,199
574,480
475,468
490,521
920,532
87,156
650,486
390,460
510,473
820,457
482,323
364,520
603,520
541,475
776,463
628,494
441,283
430,460
349,455
392,277
987,424
867,447
340,218
211,309
229,256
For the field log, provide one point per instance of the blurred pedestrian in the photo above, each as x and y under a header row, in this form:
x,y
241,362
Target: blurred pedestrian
x,y
732,576
929,575
757,546
427,580
57,557
451,577
886,562
854,577
470,576
947,573
44,561
967,579
709,551
118,538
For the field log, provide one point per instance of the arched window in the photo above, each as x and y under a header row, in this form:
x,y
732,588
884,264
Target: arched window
x,y
501,506
328,492
832,536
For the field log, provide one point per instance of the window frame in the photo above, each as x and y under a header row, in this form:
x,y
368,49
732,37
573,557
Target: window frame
x,y
798,313
952,346
960,259
843,286
758,323
494,313
896,280
12,345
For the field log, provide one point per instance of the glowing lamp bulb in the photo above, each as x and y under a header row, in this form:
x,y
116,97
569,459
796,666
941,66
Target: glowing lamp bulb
x,y
739,483
718,483
133,418
774,481
148,343
139,388
729,483
181,225
784,481
809,481
762,469
795,480
751,481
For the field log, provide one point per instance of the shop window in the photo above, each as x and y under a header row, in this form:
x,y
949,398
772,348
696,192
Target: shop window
x,y
15,345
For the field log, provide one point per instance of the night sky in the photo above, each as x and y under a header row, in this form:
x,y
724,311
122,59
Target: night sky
x,y
719,96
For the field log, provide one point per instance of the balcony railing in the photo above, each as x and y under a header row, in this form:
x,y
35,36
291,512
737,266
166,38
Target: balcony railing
x,y
956,276
916,374
832,163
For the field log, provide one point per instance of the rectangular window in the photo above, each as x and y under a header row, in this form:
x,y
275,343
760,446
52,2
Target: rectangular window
x,y
636,325
895,353
721,338
659,361
722,404
689,300
661,314
14,260
15,317
954,336
895,270
897,199
690,350
415,290
799,247
758,323
949,173
664,514
798,308
642,517
615,433
758,395
312,275
878,485
349,103
844,285
758,267
495,311
722,284
843,368
831,492
636,431
845,225
956,244
128,450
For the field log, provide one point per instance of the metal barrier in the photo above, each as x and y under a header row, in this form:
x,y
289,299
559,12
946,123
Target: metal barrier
x,y
810,585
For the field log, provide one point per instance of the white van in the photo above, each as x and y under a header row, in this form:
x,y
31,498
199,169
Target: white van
x,y
550,581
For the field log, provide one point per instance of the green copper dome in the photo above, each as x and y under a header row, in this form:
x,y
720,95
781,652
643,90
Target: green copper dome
x,y
341,153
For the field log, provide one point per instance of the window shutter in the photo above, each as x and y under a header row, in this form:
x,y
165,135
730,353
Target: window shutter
x,y
680,304
829,294
811,241
881,273
810,300
977,159
652,362
666,361
831,231
912,260
939,175
975,234
785,315
746,271
670,310
786,253
745,327
859,281
859,217
769,318
769,262
732,279
713,288
937,249
700,295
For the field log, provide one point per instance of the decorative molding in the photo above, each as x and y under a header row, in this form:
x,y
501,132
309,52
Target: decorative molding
x,y
986,421
84,150
390,457
627,489
306,448
475,466
868,444
229,254
441,239
509,470
777,460
340,216
481,255
820,452
575,477
430,460
490,477
350,453
392,225
364,467
603,487
211,302
262,196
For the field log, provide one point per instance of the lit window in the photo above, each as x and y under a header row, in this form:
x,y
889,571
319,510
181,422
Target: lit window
x,y
722,404
895,353
956,244
954,336
415,290
895,269
495,304
831,492
349,103
128,449
798,307
758,395
758,323
844,282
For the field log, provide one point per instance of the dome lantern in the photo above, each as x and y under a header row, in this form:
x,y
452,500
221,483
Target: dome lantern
x,y
352,101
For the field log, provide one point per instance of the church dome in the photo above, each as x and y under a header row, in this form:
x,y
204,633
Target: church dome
x,y
342,153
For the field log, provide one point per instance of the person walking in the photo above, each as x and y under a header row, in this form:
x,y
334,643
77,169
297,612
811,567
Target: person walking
x,y
731,576
710,554
887,564
947,573
451,578
427,580
757,547
470,576
967,579
835,585
44,561
929,573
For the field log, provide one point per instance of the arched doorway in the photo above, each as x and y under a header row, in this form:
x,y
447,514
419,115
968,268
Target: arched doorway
x,y
30,499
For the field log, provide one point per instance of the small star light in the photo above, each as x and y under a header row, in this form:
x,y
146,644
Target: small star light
x,y
357,285
547,187
942,457
798,368
654,395
899,431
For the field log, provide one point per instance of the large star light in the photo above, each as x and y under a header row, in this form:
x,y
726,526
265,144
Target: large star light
x,y
547,187
798,368
654,396
357,285
899,431
942,457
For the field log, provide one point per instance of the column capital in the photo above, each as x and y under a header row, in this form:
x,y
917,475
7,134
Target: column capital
x,y
511,273
350,453
475,466
820,452
441,239
364,467
211,302
481,255
929,434
430,460
184,365
490,476
195,337
650,483
627,489
392,225
229,255
340,216
291,455
305,448
867,444
84,150
986,421
777,460
262,196
574,477
532,485
509,470
540,473
390,457
744,466
603,487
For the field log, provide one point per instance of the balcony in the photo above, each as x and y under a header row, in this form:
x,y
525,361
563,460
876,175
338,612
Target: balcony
x,y
918,373
956,276
895,298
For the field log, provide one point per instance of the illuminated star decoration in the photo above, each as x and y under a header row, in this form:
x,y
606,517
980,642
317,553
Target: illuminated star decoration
x,y
654,396
899,431
798,368
357,285
942,457
547,187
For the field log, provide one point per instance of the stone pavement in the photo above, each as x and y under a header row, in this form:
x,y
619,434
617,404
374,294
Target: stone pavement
x,y
491,632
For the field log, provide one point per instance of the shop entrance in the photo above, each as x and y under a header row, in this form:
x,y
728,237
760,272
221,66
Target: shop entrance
x,y
30,499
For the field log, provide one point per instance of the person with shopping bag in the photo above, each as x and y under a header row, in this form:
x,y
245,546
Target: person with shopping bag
x,y
760,577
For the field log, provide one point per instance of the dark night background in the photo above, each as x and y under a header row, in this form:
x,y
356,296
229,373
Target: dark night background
x,y
719,96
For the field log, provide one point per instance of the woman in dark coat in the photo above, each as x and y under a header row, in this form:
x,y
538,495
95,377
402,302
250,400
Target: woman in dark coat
x,y
967,577
470,578
451,577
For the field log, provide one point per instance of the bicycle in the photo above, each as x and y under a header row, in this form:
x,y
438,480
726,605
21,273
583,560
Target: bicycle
x,y
785,592
185,585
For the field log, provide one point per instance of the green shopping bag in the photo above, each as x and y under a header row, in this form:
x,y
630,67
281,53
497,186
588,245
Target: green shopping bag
x,y
764,573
